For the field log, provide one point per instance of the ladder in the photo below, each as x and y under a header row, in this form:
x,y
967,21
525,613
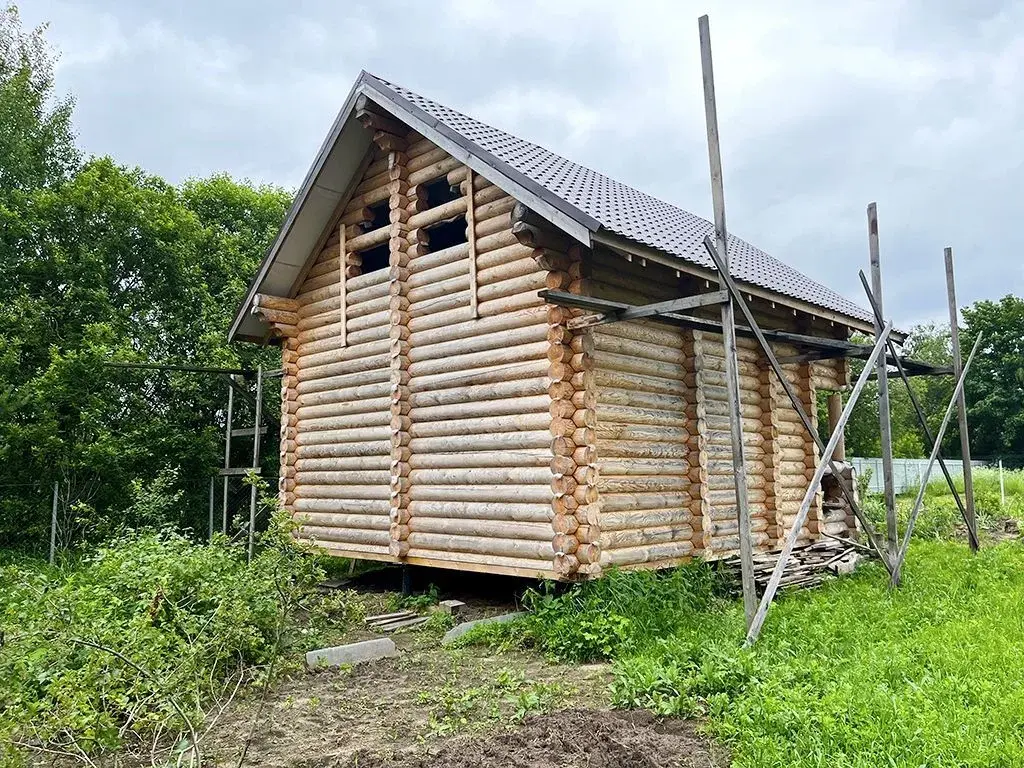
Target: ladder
x,y
240,384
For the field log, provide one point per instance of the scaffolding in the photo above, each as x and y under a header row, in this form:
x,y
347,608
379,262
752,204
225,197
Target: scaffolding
x,y
882,362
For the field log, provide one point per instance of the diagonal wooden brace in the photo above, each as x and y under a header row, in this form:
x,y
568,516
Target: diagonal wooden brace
x,y
812,489
931,462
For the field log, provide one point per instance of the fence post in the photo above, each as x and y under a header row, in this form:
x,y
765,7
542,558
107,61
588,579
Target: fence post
x,y
212,483
53,523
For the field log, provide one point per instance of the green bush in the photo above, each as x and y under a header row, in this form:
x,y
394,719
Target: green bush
x,y
141,636
614,615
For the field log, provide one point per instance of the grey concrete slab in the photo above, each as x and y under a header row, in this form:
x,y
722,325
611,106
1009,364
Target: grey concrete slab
x,y
353,653
458,631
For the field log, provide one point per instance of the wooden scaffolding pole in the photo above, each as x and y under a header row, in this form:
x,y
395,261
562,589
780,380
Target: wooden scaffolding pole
x,y
972,532
812,489
884,416
728,328
961,403
227,454
931,462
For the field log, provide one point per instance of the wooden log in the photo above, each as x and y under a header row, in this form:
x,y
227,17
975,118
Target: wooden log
x,y
484,529
366,434
342,506
484,341
346,535
644,518
539,457
481,409
482,510
538,438
371,522
380,447
527,422
493,375
645,554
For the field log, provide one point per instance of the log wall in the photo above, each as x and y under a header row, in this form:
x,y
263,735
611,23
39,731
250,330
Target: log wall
x,y
664,450
436,411
647,463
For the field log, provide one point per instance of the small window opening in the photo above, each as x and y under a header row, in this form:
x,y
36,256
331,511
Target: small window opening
x,y
440,191
375,258
447,233
379,217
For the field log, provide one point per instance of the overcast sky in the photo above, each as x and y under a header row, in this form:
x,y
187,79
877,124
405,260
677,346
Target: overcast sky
x,y
823,108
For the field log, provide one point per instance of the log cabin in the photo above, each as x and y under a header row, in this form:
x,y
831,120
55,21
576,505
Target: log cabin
x,y
439,408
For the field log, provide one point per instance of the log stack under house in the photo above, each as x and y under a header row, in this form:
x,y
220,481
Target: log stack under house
x,y
463,388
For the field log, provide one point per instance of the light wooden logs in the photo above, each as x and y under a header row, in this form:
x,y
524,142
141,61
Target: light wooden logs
x,y
403,238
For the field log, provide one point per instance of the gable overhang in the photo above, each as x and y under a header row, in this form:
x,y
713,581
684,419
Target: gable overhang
x,y
331,179
336,170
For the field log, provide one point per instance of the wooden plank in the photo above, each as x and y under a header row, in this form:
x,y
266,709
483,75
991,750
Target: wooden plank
x,y
648,310
728,325
474,305
884,414
256,443
237,471
247,432
812,489
961,403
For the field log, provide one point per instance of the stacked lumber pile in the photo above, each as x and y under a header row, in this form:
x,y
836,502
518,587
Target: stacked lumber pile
x,y
808,566
389,622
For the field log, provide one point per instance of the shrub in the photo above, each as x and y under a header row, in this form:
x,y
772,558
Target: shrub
x,y
141,636
614,615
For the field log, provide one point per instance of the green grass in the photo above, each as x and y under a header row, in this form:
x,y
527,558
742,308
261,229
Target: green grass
x,y
850,674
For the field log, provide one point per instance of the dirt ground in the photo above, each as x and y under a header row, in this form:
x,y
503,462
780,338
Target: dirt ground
x,y
435,706
574,737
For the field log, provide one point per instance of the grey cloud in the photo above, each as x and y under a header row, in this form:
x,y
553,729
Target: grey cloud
x,y
823,108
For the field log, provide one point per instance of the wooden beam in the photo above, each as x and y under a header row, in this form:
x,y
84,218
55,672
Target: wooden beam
x,y
812,489
884,414
961,403
343,284
649,310
835,410
471,238
732,380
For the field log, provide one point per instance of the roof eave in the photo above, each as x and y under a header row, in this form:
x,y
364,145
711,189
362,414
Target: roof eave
x,y
624,244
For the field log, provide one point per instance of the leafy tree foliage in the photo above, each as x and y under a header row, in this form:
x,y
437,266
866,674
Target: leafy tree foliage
x,y
101,263
995,383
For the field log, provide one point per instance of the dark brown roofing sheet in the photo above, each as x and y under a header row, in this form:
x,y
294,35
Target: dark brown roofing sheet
x,y
629,212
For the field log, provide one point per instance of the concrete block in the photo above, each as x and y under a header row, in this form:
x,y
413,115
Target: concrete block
x,y
454,607
353,653
458,631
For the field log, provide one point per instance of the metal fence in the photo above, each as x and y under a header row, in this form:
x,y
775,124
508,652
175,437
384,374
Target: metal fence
x,y
40,519
907,473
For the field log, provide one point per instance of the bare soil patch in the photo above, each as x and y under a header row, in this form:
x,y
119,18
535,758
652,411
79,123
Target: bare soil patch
x,y
576,737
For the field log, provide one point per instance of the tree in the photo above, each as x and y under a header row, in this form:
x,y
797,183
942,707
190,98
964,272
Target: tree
x,y
995,383
929,343
100,263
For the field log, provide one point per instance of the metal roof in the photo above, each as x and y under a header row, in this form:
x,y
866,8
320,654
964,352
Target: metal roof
x,y
633,214
584,203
